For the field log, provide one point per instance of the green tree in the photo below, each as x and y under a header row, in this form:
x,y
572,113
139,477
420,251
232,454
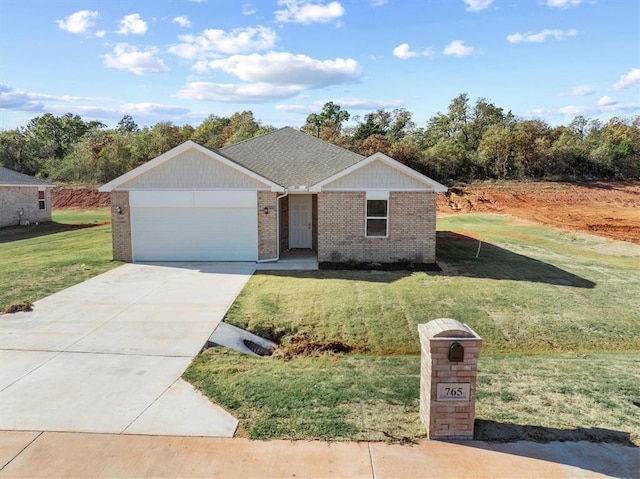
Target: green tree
x,y
127,125
330,118
209,132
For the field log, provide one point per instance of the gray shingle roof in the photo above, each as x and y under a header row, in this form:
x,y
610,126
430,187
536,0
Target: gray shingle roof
x,y
290,157
13,178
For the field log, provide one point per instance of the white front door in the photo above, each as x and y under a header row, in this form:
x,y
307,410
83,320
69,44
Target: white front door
x,y
300,217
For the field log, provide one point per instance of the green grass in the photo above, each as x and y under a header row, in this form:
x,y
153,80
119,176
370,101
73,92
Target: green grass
x,y
531,289
549,304
39,260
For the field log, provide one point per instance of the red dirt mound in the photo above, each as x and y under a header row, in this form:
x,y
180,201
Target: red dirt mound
x,y
78,197
610,209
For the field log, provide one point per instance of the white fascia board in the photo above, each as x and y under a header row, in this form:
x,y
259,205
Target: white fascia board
x,y
437,187
113,184
16,185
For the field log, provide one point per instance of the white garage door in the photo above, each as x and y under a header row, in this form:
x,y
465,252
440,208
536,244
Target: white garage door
x,y
194,233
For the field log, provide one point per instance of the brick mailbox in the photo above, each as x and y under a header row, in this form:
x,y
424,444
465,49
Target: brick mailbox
x,y
448,372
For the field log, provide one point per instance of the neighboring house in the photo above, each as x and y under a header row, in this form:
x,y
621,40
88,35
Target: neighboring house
x,y
258,198
23,198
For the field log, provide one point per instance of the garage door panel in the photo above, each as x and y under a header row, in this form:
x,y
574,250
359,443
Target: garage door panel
x,y
194,234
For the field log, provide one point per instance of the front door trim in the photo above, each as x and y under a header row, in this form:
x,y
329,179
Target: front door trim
x,y
300,221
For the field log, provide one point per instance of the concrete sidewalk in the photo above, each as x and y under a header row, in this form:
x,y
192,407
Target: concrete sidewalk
x,y
50,454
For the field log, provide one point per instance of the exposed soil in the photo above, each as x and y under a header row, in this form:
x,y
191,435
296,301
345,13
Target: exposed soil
x,y
78,197
301,346
17,307
610,209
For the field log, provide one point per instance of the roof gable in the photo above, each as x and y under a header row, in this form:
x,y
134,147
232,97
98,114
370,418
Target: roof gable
x,y
190,166
10,177
379,171
290,157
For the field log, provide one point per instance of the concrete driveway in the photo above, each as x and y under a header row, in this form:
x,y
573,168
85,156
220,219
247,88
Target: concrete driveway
x,y
106,355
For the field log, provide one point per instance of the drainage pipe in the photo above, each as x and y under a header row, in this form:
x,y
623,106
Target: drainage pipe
x,y
271,260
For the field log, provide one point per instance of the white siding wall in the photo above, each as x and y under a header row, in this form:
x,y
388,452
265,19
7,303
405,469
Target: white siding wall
x,y
192,169
376,175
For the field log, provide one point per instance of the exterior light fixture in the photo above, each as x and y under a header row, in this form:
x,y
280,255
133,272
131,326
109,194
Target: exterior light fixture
x,y
119,210
265,210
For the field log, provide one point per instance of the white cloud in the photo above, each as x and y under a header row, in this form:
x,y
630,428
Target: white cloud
x,y
295,108
104,109
237,93
606,101
282,68
211,43
477,5
563,3
182,21
300,11
378,3
540,37
79,22
132,24
128,57
403,52
581,90
100,33
458,49
147,108
270,77
351,103
595,110
628,79
248,9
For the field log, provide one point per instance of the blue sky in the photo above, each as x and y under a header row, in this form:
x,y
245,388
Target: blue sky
x,y
181,60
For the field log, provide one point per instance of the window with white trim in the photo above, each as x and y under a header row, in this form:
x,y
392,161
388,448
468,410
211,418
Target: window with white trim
x,y
42,200
377,215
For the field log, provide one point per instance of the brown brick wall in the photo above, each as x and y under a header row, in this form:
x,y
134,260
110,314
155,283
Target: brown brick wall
x,y
121,225
314,222
341,228
447,419
15,198
284,224
267,225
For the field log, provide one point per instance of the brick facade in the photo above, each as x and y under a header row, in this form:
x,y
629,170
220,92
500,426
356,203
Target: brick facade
x,y
121,226
23,198
411,228
447,419
284,224
267,225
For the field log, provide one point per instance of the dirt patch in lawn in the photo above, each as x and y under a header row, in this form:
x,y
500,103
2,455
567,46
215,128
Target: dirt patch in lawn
x,y
301,346
17,307
607,209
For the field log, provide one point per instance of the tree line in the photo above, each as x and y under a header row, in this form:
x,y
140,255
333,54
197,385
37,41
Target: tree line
x,y
467,142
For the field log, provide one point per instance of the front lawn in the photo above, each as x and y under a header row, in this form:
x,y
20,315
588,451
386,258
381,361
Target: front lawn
x,y
547,303
39,260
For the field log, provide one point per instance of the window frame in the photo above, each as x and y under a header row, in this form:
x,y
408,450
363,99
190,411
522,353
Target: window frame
x,y
376,196
42,202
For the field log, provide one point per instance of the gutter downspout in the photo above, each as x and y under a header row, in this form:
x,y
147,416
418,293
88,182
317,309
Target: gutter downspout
x,y
271,260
